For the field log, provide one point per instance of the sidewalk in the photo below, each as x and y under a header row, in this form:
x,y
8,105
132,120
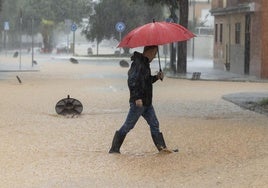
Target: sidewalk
x,y
249,100
205,67
8,63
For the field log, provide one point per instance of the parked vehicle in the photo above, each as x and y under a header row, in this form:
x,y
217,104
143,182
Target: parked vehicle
x,y
62,48
89,51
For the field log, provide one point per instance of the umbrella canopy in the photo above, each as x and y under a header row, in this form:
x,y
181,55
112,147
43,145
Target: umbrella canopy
x,y
156,33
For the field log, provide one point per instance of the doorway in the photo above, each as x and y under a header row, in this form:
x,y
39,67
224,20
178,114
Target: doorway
x,y
247,44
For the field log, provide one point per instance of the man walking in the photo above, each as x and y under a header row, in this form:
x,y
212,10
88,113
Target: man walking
x,y
140,83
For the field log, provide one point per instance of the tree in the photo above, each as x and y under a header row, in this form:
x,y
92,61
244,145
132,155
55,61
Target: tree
x,y
183,6
109,12
182,46
10,14
46,14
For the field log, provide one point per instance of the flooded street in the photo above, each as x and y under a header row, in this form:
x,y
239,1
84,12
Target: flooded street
x,y
220,144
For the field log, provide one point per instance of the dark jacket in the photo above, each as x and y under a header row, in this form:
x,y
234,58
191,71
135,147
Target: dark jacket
x,y
140,80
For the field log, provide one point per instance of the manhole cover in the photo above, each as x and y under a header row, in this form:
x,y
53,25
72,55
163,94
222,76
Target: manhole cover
x,y
69,106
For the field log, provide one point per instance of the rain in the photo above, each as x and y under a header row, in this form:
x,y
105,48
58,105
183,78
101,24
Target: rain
x,y
64,93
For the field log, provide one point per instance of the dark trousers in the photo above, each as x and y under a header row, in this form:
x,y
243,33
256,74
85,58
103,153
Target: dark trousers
x,y
147,112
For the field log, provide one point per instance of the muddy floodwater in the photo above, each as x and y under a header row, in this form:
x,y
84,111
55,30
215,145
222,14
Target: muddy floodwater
x,y
220,144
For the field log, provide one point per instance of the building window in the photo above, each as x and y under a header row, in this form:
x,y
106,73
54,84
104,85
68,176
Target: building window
x,y
221,32
216,33
224,3
237,33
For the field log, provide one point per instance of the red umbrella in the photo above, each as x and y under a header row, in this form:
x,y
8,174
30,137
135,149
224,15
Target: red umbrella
x,y
156,33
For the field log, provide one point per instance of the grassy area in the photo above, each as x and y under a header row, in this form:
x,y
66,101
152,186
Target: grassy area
x,y
264,102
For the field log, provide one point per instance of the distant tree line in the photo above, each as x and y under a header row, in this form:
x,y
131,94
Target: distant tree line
x,y
47,15
109,12
135,13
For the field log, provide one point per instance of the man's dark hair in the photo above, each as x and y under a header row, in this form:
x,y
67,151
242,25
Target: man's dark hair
x,y
146,48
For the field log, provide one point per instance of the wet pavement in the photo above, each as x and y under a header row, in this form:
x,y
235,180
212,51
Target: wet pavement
x,y
208,73
220,144
203,66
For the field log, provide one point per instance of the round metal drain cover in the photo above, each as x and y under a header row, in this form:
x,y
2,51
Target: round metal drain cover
x,y
68,106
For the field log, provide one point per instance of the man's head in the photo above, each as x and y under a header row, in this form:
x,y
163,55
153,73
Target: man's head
x,y
150,52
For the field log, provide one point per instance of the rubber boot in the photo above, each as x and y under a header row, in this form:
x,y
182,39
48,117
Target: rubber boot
x,y
159,141
117,142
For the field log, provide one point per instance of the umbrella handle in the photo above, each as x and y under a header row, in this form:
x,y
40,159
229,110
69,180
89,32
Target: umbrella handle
x,y
160,69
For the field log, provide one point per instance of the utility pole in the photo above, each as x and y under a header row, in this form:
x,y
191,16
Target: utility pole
x,y
20,36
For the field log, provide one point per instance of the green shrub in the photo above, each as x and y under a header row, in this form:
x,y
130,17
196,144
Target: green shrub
x,y
264,102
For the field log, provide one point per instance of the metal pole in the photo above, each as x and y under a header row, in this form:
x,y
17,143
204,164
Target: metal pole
x,y
32,43
160,69
20,36
120,36
5,33
68,44
194,28
73,43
